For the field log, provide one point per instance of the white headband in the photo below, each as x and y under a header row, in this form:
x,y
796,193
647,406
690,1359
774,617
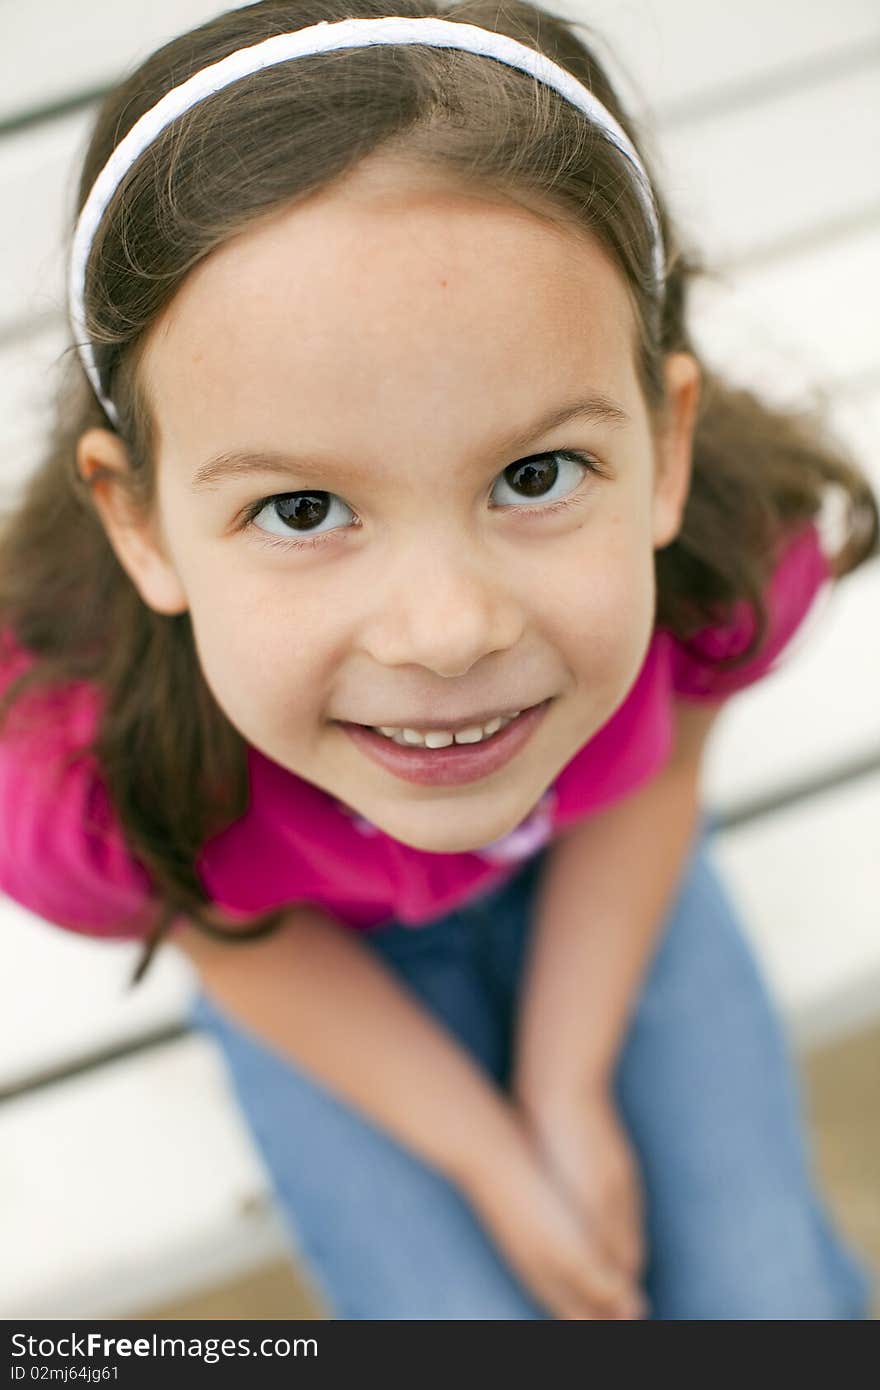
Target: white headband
x,y
321,38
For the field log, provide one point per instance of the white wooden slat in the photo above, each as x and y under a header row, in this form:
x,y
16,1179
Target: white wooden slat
x,y
806,886
740,181
58,53
856,419
784,332
808,320
39,170
817,712
668,53
672,55
30,373
65,995
130,1186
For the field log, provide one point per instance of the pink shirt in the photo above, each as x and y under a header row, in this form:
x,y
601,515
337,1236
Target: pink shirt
x,y
63,856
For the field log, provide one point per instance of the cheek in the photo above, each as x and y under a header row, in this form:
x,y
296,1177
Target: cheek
x,y
261,661
605,624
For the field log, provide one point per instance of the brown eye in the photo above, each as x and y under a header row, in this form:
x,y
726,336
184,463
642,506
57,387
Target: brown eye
x,y
297,513
546,477
302,513
534,477
302,510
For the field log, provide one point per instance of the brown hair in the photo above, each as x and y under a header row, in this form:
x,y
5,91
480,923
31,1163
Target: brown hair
x,y
175,768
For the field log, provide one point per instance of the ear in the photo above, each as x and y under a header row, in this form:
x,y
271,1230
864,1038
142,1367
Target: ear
x,y
674,446
103,463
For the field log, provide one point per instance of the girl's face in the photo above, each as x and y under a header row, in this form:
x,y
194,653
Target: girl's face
x,y
395,345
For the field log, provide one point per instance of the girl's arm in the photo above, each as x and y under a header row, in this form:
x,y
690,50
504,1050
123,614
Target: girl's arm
x,y
317,994
608,885
314,992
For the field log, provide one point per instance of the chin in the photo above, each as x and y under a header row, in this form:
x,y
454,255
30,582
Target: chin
x,y
448,836
440,843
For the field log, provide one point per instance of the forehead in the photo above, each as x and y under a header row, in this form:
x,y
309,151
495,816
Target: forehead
x,y
385,295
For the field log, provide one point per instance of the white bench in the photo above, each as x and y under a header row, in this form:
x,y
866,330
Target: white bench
x,y
133,1181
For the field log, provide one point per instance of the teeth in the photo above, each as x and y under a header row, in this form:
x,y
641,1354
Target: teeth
x,y
438,740
475,734
442,738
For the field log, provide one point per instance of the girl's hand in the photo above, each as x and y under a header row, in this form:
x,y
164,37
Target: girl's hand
x,y
546,1240
588,1151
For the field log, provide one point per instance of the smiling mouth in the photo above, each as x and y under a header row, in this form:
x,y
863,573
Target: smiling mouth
x,y
454,762
469,734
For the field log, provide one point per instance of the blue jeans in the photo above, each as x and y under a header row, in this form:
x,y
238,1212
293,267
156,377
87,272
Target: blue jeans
x,y
735,1226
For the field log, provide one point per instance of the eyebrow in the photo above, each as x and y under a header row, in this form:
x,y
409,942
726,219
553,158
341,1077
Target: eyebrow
x,y
236,463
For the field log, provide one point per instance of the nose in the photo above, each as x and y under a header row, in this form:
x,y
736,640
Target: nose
x,y
442,605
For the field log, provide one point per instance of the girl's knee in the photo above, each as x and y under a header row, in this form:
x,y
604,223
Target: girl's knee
x,y
475,1292
786,1266
758,1299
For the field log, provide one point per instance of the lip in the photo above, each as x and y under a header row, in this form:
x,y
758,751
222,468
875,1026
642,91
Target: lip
x,y
459,762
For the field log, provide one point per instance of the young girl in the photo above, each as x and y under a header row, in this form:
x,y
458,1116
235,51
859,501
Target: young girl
x,y
363,629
